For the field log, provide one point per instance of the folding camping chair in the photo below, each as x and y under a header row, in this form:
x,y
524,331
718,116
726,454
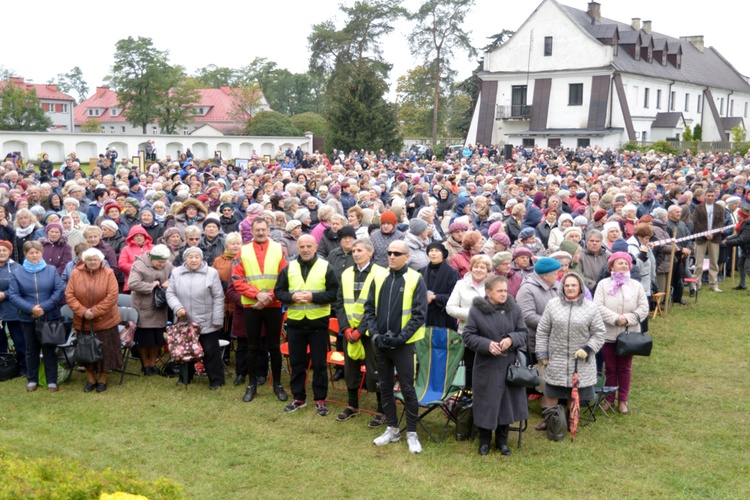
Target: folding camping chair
x,y
126,314
439,354
601,391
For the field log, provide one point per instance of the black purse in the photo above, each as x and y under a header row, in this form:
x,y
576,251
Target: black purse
x,y
160,297
519,374
88,349
51,332
633,343
8,366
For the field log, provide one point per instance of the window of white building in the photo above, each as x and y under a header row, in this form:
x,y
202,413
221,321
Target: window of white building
x,y
575,94
646,93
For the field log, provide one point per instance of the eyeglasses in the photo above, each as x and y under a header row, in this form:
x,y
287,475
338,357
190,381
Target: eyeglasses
x,y
193,239
395,254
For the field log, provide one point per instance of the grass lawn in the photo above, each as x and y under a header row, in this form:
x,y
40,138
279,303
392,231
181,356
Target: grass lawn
x,y
686,435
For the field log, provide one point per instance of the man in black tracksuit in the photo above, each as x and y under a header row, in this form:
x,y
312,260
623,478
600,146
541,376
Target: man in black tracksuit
x,y
392,350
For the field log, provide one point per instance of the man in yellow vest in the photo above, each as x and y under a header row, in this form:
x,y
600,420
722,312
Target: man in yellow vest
x,y
354,289
308,287
395,314
255,271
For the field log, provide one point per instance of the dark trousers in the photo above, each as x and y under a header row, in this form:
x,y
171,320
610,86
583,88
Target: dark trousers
x,y
318,341
403,360
678,274
255,321
15,329
501,435
469,366
33,348
353,367
211,359
240,357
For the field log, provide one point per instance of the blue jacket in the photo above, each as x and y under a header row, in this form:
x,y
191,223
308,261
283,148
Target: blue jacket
x,y
8,312
44,288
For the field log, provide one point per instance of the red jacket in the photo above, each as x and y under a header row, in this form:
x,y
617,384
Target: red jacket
x,y
132,250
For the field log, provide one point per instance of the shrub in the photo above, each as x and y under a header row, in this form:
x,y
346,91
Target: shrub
x,y
58,478
664,147
630,146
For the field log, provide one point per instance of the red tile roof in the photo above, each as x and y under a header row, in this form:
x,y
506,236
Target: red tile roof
x,y
43,91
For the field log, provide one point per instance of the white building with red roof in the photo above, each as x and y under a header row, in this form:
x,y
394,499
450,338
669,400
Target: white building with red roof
x,y
214,113
57,105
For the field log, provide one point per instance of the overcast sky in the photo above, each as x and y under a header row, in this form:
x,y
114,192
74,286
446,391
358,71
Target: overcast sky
x,y
44,38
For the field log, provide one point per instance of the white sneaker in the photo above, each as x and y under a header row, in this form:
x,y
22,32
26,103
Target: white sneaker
x,y
413,441
716,289
391,435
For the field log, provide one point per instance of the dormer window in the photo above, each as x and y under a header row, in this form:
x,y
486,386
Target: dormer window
x,y
199,110
114,112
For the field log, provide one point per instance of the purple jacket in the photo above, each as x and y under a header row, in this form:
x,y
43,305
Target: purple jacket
x,y
57,254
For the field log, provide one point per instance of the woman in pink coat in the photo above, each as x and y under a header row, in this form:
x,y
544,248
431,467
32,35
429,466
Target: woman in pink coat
x,y
137,243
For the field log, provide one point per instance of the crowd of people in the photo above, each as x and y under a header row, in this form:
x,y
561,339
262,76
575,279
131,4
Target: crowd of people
x,y
550,251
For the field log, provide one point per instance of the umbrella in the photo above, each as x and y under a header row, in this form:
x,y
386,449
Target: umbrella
x,y
575,404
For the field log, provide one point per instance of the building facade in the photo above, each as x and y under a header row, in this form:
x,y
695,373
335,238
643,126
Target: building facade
x,y
56,105
573,78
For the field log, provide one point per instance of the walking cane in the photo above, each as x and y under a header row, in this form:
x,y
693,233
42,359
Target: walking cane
x,y
669,277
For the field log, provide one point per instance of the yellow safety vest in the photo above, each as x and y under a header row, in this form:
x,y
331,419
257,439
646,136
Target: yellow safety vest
x,y
411,278
355,307
264,281
316,282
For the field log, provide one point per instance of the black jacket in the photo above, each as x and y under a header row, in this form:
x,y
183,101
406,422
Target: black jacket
x,y
387,317
441,281
742,238
339,261
281,292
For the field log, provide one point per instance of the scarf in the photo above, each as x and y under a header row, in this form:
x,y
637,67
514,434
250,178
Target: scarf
x,y
34,268
619,280
22,232
159,218
230,254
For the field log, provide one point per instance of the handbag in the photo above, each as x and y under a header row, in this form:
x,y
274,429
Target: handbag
x,y
633,343
88,349
557,423
8,366
465,417
160,297
519,374
127,334
51,332
183,341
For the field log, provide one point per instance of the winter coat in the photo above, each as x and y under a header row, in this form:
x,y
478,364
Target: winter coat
x,y
644,262
96,290
211,249
57,254
532,298
238,317
495,403
512,228
29,289
336,203
155,230
629,301
8,312
117,242
338,260
289,244
417,252
460,262
742,238
142,275
199,292
461,299
318,230
131,251
380,242
18,243
122,226
662,252
181,221
567,326
229,224
591,265
328,243
453,247
440,280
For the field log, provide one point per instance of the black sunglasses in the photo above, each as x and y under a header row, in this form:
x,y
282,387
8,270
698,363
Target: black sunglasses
x,y
395,254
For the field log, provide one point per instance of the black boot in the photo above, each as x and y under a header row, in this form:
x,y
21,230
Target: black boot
x,y
484,441
501,439
250,393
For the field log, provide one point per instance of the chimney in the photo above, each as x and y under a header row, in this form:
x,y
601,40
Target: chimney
x,y
226,89
16,80
595,12
647,27
697,41
100,91
52,87
636,23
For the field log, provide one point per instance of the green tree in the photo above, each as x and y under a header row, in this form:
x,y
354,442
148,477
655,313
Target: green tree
x,y
246,101
215,77
414,96
72,81
311,122
271,123
21,110
174,99
359,116
687,135
138,76
6,73
438,34
697,132
92,125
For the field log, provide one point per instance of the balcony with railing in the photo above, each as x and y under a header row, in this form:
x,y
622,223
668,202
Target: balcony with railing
x,y
513,112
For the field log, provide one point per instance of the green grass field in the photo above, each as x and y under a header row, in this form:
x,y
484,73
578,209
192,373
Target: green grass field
x,y
686,435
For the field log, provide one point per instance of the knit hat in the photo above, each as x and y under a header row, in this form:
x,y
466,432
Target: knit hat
x,y
599,215
112,225
416,226
572,229
526,233
302,214
335,189
378,190
7,244
494,228
581,221
348,232
190,250
54,225
134,181
225,205
456,226
546,265
620,245
570,247
112,205
501,257
620,255
255,209
70,199
132,201
168,233
388,217
610,226
733,199
212,220
159,252
292,225
522,251
560,255
290,202
213,189
438,246
682,199
501,238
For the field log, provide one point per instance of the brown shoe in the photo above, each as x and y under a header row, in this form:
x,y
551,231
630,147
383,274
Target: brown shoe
x,y
542,426
622,408
606,406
